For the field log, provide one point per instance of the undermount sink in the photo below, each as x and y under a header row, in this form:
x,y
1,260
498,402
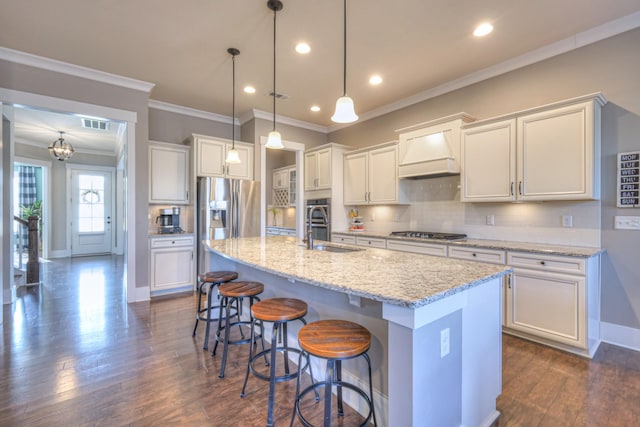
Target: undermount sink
x,y
331,248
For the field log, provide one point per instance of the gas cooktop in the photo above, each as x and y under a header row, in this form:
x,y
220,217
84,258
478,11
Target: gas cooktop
x,y
429,235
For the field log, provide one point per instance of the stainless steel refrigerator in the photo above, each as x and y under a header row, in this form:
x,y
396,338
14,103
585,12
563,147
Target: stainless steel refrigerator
x,y
226,208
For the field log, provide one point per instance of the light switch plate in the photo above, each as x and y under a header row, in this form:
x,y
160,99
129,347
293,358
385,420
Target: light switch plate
x,y
567,221
627,223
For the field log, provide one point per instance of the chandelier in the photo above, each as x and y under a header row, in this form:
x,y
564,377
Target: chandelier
x,y
61,150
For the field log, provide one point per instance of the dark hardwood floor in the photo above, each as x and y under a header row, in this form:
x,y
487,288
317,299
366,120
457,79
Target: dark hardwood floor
x,y
74,353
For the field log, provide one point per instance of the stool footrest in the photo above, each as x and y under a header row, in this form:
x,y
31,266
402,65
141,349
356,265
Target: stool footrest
x,y
278,378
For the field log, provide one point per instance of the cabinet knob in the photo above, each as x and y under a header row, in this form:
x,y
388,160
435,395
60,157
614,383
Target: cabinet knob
x,y
543,263
474,254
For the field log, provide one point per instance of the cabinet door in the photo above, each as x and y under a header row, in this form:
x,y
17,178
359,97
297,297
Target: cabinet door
x,y
171,268
324,168
556,154
489,163
244,169
548,305
383,175
168,175
210,155
292,186
310,171
355,179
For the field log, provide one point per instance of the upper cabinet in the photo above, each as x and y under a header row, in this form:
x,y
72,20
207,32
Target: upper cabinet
x,y
284,187
547,153
211,153
317,169
168,173
371,177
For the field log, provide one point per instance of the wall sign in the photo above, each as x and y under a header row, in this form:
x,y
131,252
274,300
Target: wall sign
x,y
629,180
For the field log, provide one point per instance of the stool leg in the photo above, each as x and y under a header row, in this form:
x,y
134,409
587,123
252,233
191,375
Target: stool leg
x,y
272,372
327,392
286,352
373,411
246,376
338,373
207,328
296,403
227,326
223,303
198,309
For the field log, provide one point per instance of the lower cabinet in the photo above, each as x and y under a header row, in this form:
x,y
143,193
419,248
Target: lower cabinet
x,y
339,238
371,242
417,247
554,300
171,264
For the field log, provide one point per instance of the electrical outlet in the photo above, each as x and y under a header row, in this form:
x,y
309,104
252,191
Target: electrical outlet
x,y
490,220
567,221
626,223
444,342
397,218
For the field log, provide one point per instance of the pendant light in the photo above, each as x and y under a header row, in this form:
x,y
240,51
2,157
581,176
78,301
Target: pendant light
x,y
274,140
345,112
61,150
232,155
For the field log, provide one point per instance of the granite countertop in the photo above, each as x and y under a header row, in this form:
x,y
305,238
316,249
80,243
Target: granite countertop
x,y
542,248
170,235
398,278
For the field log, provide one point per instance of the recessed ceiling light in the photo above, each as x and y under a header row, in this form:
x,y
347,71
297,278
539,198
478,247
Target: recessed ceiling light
x,y
250,89
375,80
303,48
483,29
315,108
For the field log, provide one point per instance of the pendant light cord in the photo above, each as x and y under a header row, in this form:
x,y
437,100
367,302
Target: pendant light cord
x,y
233,103
275,12
344,79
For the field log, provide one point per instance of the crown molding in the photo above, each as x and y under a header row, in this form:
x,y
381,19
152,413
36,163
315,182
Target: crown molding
x,y
593,35
192,112
73,70
108,153
264,115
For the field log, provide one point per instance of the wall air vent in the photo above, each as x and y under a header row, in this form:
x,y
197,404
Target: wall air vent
x,y
280,96
95,124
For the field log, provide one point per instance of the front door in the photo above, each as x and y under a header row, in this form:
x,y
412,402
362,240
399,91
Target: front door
x,y
91,212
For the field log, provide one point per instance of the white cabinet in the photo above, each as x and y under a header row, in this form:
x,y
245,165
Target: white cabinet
x,y
168,173
281,178
417,247
171,264
555,300
492,256
547,153
341,238
284,187
371,177
372,242
317,169
293,190
211,153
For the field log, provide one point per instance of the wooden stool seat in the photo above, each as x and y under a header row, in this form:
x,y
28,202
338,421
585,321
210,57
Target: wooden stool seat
x,y
240,289
217,276
279,309
334,339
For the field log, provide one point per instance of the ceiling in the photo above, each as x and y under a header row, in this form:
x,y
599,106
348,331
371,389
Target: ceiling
x,y
181,47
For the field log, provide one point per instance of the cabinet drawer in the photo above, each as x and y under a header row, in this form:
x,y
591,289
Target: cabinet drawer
x,y
476,254
170,242
350,240
547,263
371,242
417,248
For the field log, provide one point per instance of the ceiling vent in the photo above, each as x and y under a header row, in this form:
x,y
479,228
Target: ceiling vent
x,y
95,124
280,96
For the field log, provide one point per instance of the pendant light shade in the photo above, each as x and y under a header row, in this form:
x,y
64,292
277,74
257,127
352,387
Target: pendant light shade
x,y
274,139
61,150
345,112
232,155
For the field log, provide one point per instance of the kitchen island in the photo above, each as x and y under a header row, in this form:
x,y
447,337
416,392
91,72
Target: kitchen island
x,y
435,323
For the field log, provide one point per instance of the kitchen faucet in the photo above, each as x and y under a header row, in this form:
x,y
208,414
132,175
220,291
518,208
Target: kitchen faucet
x,y
309,228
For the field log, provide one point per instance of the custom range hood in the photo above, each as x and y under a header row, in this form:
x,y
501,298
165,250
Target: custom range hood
x,y
431,149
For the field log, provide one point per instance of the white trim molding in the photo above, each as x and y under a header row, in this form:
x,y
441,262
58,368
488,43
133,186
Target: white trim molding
x,y
73,70
622,336
192,112
259,114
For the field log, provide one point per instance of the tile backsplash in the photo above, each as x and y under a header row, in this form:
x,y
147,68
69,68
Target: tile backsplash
x,y
435,206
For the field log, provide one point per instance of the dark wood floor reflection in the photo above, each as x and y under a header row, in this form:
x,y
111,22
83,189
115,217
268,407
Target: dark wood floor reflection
x,y
75,354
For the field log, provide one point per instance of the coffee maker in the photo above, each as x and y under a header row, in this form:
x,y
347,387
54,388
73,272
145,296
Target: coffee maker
x,y
169,221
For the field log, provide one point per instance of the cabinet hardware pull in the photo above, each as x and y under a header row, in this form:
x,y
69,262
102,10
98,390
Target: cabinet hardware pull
x,y
474,254
520,187
542,263
509,281
511,189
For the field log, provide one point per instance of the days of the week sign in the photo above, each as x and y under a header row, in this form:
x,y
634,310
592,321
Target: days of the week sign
x,y
629,180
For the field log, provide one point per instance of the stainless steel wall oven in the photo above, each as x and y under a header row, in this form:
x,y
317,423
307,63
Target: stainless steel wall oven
x,y
320,210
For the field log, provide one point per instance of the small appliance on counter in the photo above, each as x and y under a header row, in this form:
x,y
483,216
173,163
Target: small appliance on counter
x,y
169,221
355,221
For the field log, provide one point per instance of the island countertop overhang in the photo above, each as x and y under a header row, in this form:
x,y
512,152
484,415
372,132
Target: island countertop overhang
x,y
397,278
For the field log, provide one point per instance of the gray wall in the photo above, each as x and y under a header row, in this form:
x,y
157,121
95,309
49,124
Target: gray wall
x,y
609,66
38,81
166,126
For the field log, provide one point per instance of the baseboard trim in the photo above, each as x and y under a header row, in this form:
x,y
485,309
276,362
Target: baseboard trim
x,y
61,253
622,336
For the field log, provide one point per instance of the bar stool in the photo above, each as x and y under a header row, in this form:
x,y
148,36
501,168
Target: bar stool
x,y
206,283
335,341
279,311
233,293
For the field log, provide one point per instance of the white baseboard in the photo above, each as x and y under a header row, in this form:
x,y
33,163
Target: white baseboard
x,y
140,294
62,253
619,335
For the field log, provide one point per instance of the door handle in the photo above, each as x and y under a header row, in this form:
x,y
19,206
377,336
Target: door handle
x,y
511,189
520,187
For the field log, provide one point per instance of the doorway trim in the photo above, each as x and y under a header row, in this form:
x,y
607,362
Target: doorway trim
x,y
299,150
9,96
